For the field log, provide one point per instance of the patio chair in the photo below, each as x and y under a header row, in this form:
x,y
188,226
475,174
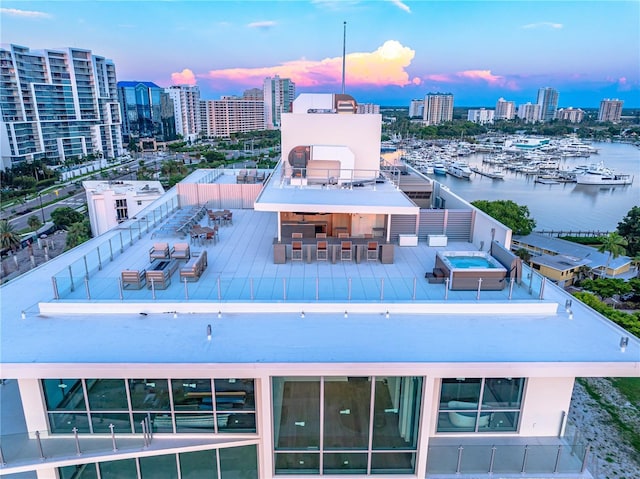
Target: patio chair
x,y
372,251
321,235
227,218
343,235
181,251
296,235
159,251
345,251
296,250
322,253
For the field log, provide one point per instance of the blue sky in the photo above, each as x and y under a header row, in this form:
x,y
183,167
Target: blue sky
x,y
396,50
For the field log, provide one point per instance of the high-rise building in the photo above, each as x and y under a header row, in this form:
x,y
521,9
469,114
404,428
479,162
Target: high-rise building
x,y
278,95
505,110
143,354
548,101
368,108
573,115
253,94
529,112
57,104
143,114
481,116
186,105
221,118
416,108
438,108
610,110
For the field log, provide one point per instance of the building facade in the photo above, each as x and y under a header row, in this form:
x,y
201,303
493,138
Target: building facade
x,y
610,110
548,102
222,118
481,116
186,105
505,110
573,115
57,105
416,108
438,108
278,95
147,111
529,112
368,108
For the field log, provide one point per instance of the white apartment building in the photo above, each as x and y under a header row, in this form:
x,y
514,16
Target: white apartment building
x,y
307,341
221,118
529,112
110,203
481,116
416,108
368,108
438,108
278,96
574,115
57,104
186,104
610,110
505,110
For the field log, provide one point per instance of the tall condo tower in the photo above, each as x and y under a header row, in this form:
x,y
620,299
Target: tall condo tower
x,y
438,108
278,94
610,110
186,105
548,101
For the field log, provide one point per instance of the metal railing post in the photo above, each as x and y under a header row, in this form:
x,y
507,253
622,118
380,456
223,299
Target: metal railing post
x,y
110,250
587,451
542,285
40,445
56,294
459,464
557,464
349,289
415,285
493,457
71,279
145,441
284,289
86,266
317,288
219,290
251,288
381,289
446,289
186,290
153,289
75,436
524,459
113,437
511,283
479,288
99,260
2,461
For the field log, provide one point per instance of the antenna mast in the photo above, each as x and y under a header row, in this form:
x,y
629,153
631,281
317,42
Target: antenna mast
x,y
344,46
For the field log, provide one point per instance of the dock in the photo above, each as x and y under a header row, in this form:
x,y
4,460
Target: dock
x,y
489,174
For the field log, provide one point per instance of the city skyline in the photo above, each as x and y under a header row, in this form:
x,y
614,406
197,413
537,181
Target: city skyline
x,y
396,51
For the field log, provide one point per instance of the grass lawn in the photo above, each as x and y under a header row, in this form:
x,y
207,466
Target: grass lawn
x,y
629,387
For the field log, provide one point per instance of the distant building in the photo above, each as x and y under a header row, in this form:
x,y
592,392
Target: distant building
x,y
57,104
481,116
368,108
438,108
610,110
548,102
278,95
253,94
109,203
186,104
529,112
505,110
222,118
574,115
147,111
416,108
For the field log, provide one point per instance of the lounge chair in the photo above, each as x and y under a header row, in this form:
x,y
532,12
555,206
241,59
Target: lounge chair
x,y
133,279
159,251
181,251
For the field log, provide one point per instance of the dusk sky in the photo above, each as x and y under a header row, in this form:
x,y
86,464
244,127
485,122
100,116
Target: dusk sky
x,y
396,50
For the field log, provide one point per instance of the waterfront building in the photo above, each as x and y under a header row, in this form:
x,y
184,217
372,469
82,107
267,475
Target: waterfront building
x,y
548,102
529,112
438,108
147,111
186,105
610,110
573,115
57,104
278,95
481,116
110,203
302,335
505,110
253,94
368,108
229,115
416,108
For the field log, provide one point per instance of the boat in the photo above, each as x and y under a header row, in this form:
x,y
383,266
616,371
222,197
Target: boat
x,y
439,168
600,175
459,169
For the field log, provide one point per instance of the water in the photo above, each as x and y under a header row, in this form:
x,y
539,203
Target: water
x,y
564,206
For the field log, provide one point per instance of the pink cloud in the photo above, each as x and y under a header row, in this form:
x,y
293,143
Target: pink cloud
x,y
185,77
474,75
384,66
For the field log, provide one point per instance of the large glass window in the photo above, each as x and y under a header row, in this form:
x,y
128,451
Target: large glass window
x,y
64,394
149,394
344,420
158,467
198,465
480,405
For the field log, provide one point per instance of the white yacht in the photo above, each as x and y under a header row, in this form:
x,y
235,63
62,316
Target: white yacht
x,y
600,175
459,169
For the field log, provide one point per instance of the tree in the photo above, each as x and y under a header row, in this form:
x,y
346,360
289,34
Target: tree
x,y
9,239
65,216
614,244
510,214
523,254
34,222
629,229
78,233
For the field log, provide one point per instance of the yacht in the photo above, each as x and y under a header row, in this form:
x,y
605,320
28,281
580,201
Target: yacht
x,y
600,175
439,168
459,169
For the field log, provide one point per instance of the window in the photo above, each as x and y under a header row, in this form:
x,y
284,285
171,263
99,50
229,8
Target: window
x,y
480,405
122,212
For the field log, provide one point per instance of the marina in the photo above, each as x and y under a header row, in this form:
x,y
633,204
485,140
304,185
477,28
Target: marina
x,y
558,202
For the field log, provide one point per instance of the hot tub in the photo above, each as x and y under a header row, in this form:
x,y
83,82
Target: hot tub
x,y
465,268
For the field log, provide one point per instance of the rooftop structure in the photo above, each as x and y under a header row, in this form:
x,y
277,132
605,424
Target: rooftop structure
x,y
317,323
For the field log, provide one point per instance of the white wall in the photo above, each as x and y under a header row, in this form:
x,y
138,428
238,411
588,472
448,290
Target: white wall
x,y
33,405
544,403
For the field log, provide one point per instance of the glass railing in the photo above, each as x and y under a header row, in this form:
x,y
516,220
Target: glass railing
x,y
73,284
507,459
29,447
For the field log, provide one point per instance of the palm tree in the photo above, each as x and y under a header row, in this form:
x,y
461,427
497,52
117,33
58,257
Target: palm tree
x,y
614,244
9,239
34,222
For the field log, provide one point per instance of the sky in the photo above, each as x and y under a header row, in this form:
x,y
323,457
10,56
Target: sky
x,y
396,50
